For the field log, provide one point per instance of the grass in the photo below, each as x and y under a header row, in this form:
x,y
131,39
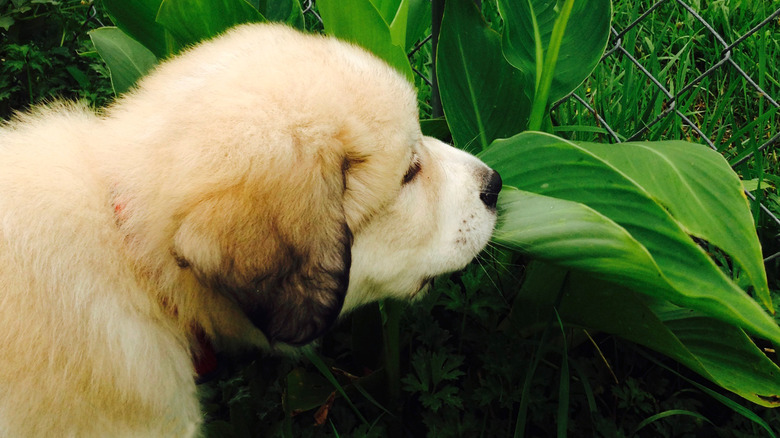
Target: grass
x,y
462,368
676,49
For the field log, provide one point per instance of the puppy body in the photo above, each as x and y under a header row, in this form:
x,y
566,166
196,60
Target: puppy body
x,y
251,189
79,326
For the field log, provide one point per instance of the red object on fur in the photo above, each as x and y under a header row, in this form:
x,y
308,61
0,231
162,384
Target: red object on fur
x,y
204,360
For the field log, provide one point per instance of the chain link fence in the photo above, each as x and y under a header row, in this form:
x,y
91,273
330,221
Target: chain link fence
x,y
723,60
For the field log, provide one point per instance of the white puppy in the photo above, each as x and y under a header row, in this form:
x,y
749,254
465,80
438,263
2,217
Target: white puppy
x,y
249,190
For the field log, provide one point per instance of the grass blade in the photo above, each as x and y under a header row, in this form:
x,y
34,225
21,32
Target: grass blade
x,y
563,387
669,413
320,365
538,110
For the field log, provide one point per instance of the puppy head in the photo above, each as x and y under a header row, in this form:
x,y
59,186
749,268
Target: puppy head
x,y
441,219
288,275
297,178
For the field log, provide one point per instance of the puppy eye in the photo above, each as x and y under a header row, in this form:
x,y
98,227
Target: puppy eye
x,y
414,169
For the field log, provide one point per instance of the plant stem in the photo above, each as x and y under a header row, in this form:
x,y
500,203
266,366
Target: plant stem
x,y
437,13
391,334
542,94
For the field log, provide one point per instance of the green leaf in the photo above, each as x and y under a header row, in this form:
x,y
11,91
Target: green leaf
x,y
191,21
699,189
528,27
436,128
126,58
419,20
728,355
398,24
573,235
751,185
79,76
726,401
718,351
482,95
137,19
431,370
6,22
387,8
408,20
444,366
360,22
662,260
286,11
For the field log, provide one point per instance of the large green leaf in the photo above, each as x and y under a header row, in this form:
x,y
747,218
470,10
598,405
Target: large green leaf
x,y
127,59
720,352
573,235
484,98
191,21
701,192
528,26
677,270
360,22
137,19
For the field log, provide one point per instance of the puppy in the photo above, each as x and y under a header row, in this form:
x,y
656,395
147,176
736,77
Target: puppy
x,y
248,192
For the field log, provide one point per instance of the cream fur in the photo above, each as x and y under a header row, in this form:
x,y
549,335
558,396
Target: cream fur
x,y
249,183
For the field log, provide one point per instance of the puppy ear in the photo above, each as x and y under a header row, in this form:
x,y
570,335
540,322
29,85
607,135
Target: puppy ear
x,y
303,299
281,253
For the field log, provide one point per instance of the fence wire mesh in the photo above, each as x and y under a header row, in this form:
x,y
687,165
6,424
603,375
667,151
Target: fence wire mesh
x,y
682,69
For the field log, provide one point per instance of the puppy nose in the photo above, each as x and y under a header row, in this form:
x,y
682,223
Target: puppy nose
x,y
489,194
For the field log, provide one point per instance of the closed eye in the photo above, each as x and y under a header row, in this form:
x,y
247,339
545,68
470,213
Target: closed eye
x,y
414,169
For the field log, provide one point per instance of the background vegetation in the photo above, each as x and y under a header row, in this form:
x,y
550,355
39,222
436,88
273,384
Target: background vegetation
x,y
466,369
45,53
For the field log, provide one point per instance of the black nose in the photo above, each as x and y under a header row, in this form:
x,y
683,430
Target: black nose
x,y
489,194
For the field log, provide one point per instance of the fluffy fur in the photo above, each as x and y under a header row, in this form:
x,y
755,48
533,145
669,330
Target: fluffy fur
x,y
251,189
